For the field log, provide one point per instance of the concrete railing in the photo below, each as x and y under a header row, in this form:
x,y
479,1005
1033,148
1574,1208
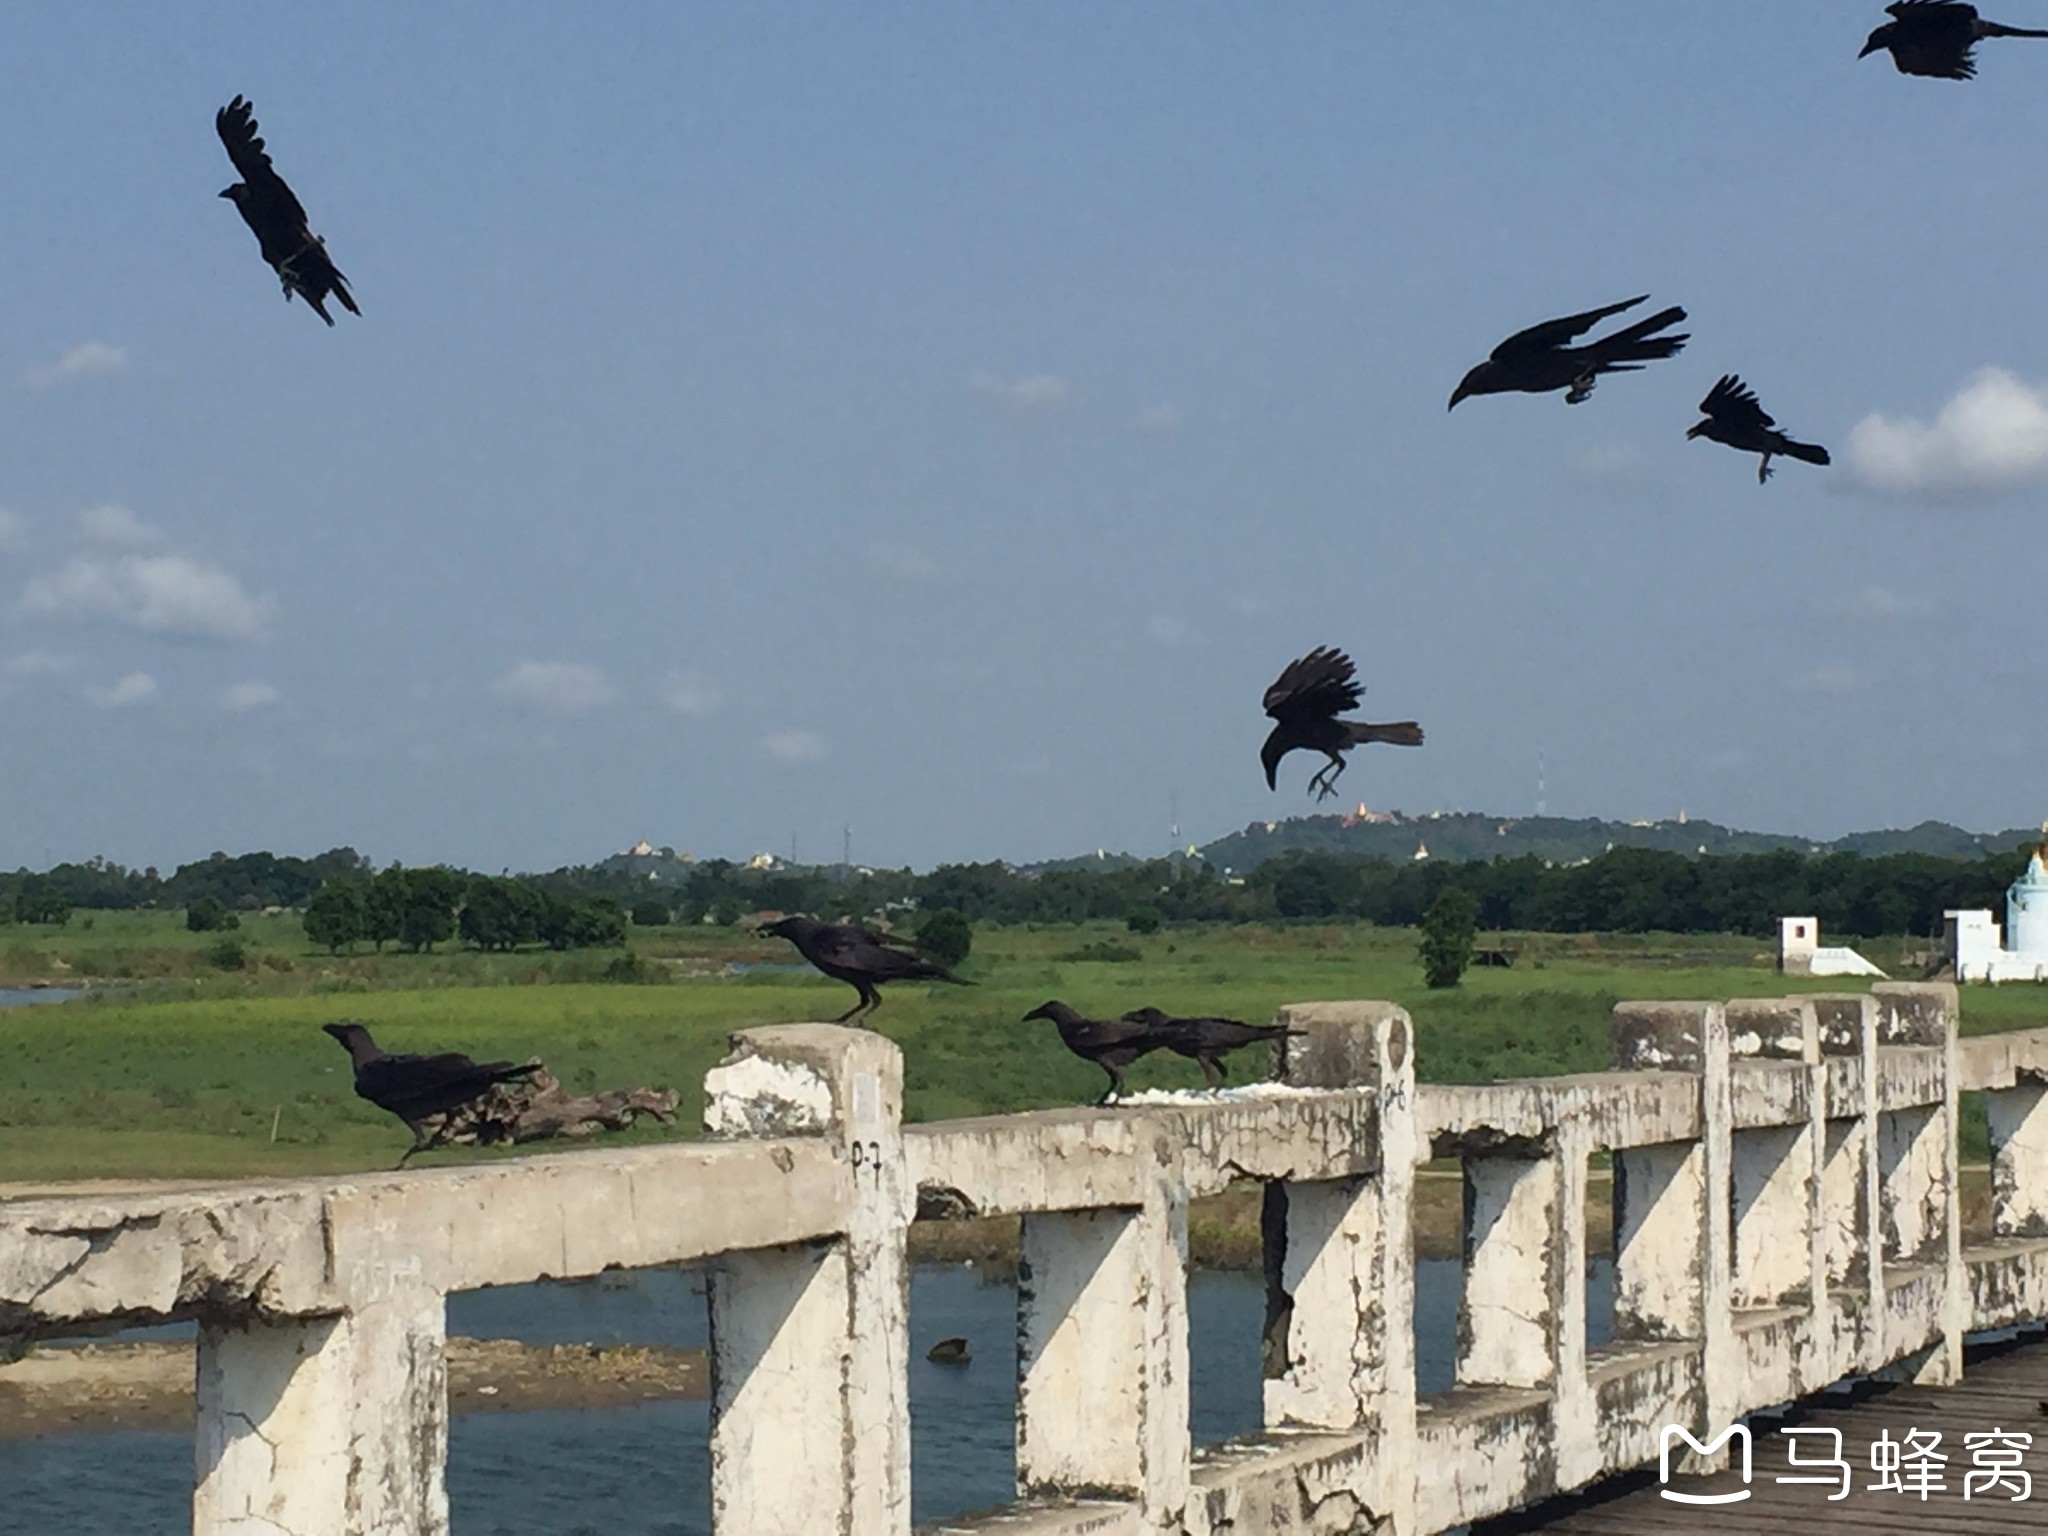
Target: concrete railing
x,y
1785,1215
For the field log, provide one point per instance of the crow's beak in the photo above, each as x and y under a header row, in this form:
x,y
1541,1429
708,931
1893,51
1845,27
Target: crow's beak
x,y
1695,431
1869,48
225,192
1463,390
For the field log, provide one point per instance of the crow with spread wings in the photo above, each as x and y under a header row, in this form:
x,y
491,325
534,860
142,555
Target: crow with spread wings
x,y
1540,359
1734,417
1936,38
1305,701
860,957
268,207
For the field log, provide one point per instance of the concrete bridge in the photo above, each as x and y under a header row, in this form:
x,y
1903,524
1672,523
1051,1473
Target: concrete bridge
x,y
1786,1193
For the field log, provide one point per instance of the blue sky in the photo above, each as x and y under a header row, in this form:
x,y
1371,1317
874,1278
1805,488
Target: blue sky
x,y
945,420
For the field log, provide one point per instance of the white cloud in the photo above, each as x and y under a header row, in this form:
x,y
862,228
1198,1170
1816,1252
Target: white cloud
x,y
1157,421
241,698
113,527
1991,437
559,687
1829,679
11,527
135,688
1027,392
34,664
1875,602
690,693
794,746
178,595
87,360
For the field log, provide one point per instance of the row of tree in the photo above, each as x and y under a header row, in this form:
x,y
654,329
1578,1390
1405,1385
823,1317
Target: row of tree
x,y
419,908
1624,890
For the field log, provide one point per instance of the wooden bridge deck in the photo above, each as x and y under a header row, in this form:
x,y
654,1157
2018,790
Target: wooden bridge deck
x,y
2005,1387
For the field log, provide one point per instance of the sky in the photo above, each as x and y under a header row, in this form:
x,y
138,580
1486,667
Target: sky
x,y
941,422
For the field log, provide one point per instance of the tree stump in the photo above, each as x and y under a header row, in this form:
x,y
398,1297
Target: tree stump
x,y
538,1109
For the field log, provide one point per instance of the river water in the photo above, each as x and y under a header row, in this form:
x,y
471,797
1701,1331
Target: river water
x,y
23,997
642,1471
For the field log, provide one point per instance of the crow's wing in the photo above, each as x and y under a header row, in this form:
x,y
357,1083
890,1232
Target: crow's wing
x,y
1552,334
1320,686
1928,10
1734,404
868,953
236,125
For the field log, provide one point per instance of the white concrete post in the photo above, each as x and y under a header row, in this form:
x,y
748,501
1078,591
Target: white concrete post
x,y
2018,1118
1673,1228
1776,1169
1512,1313
334,1426
810,1413
1335,1361
1923,1206
1102,1349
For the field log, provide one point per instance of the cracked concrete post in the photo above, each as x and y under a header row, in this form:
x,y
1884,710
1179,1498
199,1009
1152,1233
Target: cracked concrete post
x,y
1102,1349
810,1344
1512,1312
331,1426
1672,1222
1340,1256
2018,1118
1923,1186
1849,1200
1775,1169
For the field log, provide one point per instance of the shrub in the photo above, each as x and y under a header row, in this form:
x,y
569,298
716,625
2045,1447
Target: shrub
x,y
1143,920
1448,928
208,914
650,914
1102,953
946,936
227,954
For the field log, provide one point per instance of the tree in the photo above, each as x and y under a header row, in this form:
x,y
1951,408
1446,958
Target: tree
x,y
37,905
1143,920
598,923
1448,928
428,915
384,907
946,936
207,914
335,916
649,913
499,913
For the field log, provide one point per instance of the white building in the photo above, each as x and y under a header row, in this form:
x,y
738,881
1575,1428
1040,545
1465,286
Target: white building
x,y
1974,946
1801,953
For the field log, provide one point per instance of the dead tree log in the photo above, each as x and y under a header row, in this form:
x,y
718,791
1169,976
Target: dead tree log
x,y
538,1109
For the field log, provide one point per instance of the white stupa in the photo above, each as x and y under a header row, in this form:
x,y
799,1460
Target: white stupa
x,y
1974,946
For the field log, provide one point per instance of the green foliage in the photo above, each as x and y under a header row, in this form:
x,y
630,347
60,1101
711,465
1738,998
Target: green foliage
x,y
648,913
336,916
227,954
208,914
1102,952
500,913
1448,928
1143,920
946,936
41,904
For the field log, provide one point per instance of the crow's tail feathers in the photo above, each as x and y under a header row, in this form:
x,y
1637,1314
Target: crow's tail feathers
x,y
1402,733
1635,344
348,301
1809,453
1995,29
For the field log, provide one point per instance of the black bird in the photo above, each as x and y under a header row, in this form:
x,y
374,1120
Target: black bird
x,y
417,1088
268,207
1538,360
1936,38
1306,699
1112,1044
1206,1040
860,957
1735,418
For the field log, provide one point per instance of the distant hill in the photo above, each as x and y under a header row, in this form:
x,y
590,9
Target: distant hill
x,y
1462,836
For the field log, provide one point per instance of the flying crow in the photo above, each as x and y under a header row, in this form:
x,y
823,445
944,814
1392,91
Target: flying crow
x,y
1735,418
1112,1044
268,207
1538,360
860,957
1936,38
419,1088
1306,699
1205,1040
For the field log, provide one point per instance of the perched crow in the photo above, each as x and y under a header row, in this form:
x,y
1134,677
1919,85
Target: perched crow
x,y
1735,418
1306,699
1112,1044
417,1088
860,957
1205,1040
1936,38
1538,360
268,207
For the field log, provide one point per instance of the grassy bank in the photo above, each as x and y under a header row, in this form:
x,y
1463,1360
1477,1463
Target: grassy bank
x,y
194,1071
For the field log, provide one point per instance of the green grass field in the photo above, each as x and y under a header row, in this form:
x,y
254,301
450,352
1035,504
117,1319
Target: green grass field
x,y
189,1070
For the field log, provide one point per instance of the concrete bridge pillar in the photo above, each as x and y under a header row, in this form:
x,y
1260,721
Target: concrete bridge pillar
x,y
1920,1160
1850,1177
325,1426
1673,1229
2018,1119
1102,1349
810,1421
